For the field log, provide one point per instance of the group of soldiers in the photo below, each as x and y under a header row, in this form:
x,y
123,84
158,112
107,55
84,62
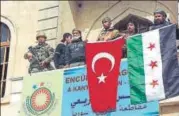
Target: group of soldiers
x,y
70,51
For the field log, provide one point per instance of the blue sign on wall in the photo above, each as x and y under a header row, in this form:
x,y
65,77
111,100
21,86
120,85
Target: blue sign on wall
x,y
76,97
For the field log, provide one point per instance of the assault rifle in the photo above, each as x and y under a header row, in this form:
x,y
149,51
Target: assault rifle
x,y
35,56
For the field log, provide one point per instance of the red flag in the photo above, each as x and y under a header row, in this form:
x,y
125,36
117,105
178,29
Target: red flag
x,y
103,61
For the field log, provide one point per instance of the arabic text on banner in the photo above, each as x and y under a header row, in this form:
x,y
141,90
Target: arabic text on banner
x,y
76,98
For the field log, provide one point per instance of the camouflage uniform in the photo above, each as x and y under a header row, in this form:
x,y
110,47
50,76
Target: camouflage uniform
x,y
43,53
110,33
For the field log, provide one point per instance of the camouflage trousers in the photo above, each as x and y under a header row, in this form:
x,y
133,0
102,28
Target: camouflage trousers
x,y
36,69
76,64
60,66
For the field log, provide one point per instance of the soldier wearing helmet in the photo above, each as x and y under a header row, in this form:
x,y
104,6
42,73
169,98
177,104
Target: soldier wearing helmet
x,y
41,37
159,19
40,55
108,32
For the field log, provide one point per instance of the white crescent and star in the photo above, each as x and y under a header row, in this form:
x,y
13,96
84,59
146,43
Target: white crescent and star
x,y
99,56
101,78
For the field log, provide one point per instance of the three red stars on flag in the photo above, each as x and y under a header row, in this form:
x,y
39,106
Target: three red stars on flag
x,y
153,64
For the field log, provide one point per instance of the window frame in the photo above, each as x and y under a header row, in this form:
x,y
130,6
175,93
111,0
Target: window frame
x,y
4,43
11,62
4,63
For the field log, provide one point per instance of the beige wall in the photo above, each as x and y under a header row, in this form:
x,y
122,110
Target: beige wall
x,y
92,12
67,17
48,20
24,16
27,19
88,17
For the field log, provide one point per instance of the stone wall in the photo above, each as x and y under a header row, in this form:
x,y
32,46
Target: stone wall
x,y
28,17
91,13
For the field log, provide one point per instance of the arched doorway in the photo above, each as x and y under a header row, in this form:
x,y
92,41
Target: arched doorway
x,y
141,23
4,58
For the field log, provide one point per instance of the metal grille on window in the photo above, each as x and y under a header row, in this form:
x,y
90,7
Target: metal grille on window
x,y
5,47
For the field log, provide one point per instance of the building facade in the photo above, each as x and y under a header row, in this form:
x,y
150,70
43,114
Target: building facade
x,y
21,20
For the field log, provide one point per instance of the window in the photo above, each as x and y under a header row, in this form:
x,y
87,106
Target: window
x,y
4,46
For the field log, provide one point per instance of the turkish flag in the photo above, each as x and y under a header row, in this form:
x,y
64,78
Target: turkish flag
x,y
103,62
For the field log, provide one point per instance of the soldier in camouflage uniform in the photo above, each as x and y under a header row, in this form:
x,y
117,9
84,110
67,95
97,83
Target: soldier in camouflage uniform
x,y
108,32
40,55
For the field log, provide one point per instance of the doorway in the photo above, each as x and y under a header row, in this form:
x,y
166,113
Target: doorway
x,y
142,24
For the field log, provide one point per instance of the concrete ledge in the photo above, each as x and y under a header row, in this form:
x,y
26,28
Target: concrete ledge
x,y
5,100
169,102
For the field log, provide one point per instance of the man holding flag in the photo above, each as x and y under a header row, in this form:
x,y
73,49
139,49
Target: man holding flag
x,y
153,65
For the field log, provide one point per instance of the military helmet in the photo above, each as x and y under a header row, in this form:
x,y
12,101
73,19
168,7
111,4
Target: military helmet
x,y
41,34
159,11
106,19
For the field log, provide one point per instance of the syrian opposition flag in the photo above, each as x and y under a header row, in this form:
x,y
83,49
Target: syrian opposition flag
x,y
103,61
153,65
